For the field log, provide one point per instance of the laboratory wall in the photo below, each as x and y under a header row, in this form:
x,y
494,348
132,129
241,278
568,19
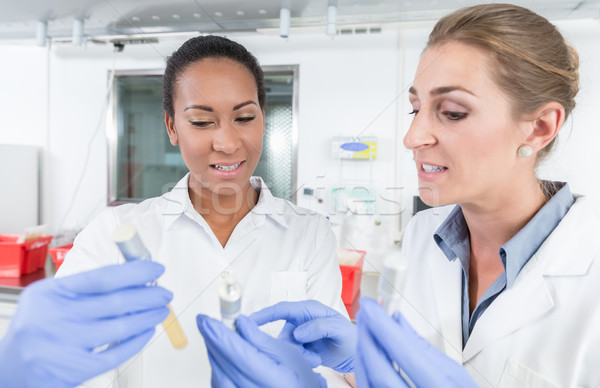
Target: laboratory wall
x,y
23,95
353,86
347,87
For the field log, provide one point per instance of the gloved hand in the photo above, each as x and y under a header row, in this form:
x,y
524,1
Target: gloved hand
x,y
252,358
325,336
59,322
382,339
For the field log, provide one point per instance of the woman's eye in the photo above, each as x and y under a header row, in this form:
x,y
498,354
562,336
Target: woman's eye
x,y
201,124
245,119
414,112
454,115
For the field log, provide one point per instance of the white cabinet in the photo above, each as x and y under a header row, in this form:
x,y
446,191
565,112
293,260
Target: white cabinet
x,y
19,187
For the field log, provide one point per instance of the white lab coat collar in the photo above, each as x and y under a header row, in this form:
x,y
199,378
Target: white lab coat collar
x,y
267,205
563,258
556,257
178,203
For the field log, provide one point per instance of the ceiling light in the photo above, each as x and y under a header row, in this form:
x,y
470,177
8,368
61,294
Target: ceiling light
x,y
77,38
41,33
196,15
155,17
262,11
176,17
218,14
331,20
240,13
284,22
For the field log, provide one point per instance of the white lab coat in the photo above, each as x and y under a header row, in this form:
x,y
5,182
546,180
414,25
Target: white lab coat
x,y
543,331
278,252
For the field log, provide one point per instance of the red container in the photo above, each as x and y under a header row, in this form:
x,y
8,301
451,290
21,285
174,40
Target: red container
x,y
18,259
351,275
58,254
353,307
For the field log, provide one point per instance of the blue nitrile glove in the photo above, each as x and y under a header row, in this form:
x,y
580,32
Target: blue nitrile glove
x,y
59,322
383,340
252,358
326,336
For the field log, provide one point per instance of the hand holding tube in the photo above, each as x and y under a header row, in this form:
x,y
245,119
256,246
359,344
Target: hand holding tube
x,y
132,248
59,322
325,336
252,358
382,338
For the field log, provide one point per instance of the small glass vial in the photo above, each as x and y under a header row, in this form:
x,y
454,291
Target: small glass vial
x,y
230,297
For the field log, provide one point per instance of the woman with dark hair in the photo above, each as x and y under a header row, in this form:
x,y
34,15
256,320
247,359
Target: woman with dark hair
x,y
218,221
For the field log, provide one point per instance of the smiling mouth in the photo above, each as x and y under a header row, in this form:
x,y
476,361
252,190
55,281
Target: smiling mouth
x,y
226,168
432,168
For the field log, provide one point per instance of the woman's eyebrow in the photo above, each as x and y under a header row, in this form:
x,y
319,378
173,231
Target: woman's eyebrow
x,y
202,107
238,106
448,89
443,90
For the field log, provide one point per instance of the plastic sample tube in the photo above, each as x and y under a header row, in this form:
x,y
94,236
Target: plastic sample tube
x,y
391,281
132,248
230,298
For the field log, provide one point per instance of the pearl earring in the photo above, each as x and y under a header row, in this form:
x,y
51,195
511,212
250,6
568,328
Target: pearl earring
x,y
525,151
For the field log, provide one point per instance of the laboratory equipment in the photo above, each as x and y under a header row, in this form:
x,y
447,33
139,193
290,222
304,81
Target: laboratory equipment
x,y
230,298
132,248
351,263
358,148
391,280
59,253
18,258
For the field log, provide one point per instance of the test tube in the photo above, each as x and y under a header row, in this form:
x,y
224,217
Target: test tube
x,y
391,281
132,248
230,297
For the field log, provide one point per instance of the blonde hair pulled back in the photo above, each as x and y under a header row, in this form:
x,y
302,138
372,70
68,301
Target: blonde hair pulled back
x,y
535,64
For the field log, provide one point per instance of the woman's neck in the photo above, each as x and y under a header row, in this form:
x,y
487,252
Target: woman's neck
x,y
223,211
496,221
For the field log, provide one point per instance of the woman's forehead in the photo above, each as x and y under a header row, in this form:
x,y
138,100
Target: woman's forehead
x,y
216,77
453,64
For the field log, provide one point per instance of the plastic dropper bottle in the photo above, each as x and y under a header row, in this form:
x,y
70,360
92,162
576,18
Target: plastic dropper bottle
x,y
132,248
230,298
391,279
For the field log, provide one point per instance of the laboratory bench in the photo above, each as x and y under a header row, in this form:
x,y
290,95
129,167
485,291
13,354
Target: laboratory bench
x,y
10,288
14,286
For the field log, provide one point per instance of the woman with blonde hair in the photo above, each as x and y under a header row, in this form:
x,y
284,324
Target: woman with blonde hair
x,y
503,275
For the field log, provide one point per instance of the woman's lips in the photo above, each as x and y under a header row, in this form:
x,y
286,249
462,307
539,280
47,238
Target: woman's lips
x,y
430,172
228,170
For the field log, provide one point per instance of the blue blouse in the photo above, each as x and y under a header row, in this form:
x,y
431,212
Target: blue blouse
x,y
452,237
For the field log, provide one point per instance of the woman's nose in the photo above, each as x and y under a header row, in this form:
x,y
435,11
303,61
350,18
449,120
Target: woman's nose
x,y
419,134
228,139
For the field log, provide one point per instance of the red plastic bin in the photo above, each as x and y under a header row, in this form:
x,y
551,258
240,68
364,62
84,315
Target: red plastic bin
x,y
351,276
58,254
18,259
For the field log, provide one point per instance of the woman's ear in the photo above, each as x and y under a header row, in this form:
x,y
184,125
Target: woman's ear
x,y
170,124
545,124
